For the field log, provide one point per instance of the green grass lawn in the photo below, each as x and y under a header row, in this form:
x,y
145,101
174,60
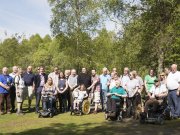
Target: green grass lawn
x,y
85,124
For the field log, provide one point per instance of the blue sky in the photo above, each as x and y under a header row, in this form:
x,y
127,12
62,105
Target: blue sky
x,y
28,17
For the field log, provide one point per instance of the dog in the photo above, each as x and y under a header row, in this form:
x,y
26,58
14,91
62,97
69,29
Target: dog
x,y
138,111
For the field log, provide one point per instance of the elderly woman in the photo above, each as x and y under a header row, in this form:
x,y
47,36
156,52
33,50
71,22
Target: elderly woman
x,y
163,79
116,94
49,89
149,81
131,88
20,91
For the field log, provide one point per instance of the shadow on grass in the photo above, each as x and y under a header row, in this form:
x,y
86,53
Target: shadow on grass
x,y
108,127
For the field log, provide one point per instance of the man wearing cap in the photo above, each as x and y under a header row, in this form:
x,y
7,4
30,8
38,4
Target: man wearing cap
x,y
156,95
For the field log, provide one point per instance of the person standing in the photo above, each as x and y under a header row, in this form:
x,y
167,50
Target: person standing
x,y
13,89
104,78
95,89
39,81
149,81
131,89
5,85
173,85
84,78
125,77
72,82
67,74
29,83
62,92
140,89
55,77
20,91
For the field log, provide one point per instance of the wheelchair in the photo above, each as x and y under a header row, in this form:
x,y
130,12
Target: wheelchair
x,y
120,114
46,112
163,112
84,108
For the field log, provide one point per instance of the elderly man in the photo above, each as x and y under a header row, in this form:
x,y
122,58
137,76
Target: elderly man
x,y
116,94
84,78
5,85
39,81
114,70
104,78
156,95
72,82
173,85
13,89
29,83
125,77
95,89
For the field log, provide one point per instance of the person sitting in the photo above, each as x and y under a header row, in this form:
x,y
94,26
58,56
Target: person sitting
x,y
82,94
156,95
116,94
49,89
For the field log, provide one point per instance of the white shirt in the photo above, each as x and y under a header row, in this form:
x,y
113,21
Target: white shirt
x,y
20,82
173,80
158,90
112,84
124,79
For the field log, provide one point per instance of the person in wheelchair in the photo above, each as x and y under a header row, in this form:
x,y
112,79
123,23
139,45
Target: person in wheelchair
x,y
156,95
51,91
115,95
82,94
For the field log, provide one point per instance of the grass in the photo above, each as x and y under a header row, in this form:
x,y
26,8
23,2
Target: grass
x,y
85,124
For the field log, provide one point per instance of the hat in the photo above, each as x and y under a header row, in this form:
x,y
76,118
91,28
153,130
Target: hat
x,y
162,73
156,80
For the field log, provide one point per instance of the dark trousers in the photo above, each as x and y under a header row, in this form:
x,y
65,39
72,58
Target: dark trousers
x,y
7,97
68,98
138,101
13,97
132,105
62,101
111,104
38,97
173,101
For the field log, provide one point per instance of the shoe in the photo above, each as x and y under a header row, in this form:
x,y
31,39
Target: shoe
x,y
20,112
175,118
95,112
9,113
65,111
2,113
36,112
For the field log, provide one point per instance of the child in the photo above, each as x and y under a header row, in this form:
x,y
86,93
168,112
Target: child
x,y
82,94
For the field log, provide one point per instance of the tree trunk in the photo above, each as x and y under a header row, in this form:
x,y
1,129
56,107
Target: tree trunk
x,y
160,60
78,31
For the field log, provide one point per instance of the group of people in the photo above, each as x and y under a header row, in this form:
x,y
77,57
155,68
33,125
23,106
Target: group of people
x,y
106,89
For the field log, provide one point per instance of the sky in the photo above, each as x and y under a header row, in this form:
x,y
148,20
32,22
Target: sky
x,y
28,17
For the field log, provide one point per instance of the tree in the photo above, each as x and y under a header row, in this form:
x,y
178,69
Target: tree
x,y
77,16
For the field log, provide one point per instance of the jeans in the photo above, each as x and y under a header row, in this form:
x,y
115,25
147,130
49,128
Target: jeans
x,y
38,97
50,103
103,98
173,101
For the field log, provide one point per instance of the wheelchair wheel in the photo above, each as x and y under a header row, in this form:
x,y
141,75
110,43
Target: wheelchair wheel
x,y
85,107
119,118
169,115
160,120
